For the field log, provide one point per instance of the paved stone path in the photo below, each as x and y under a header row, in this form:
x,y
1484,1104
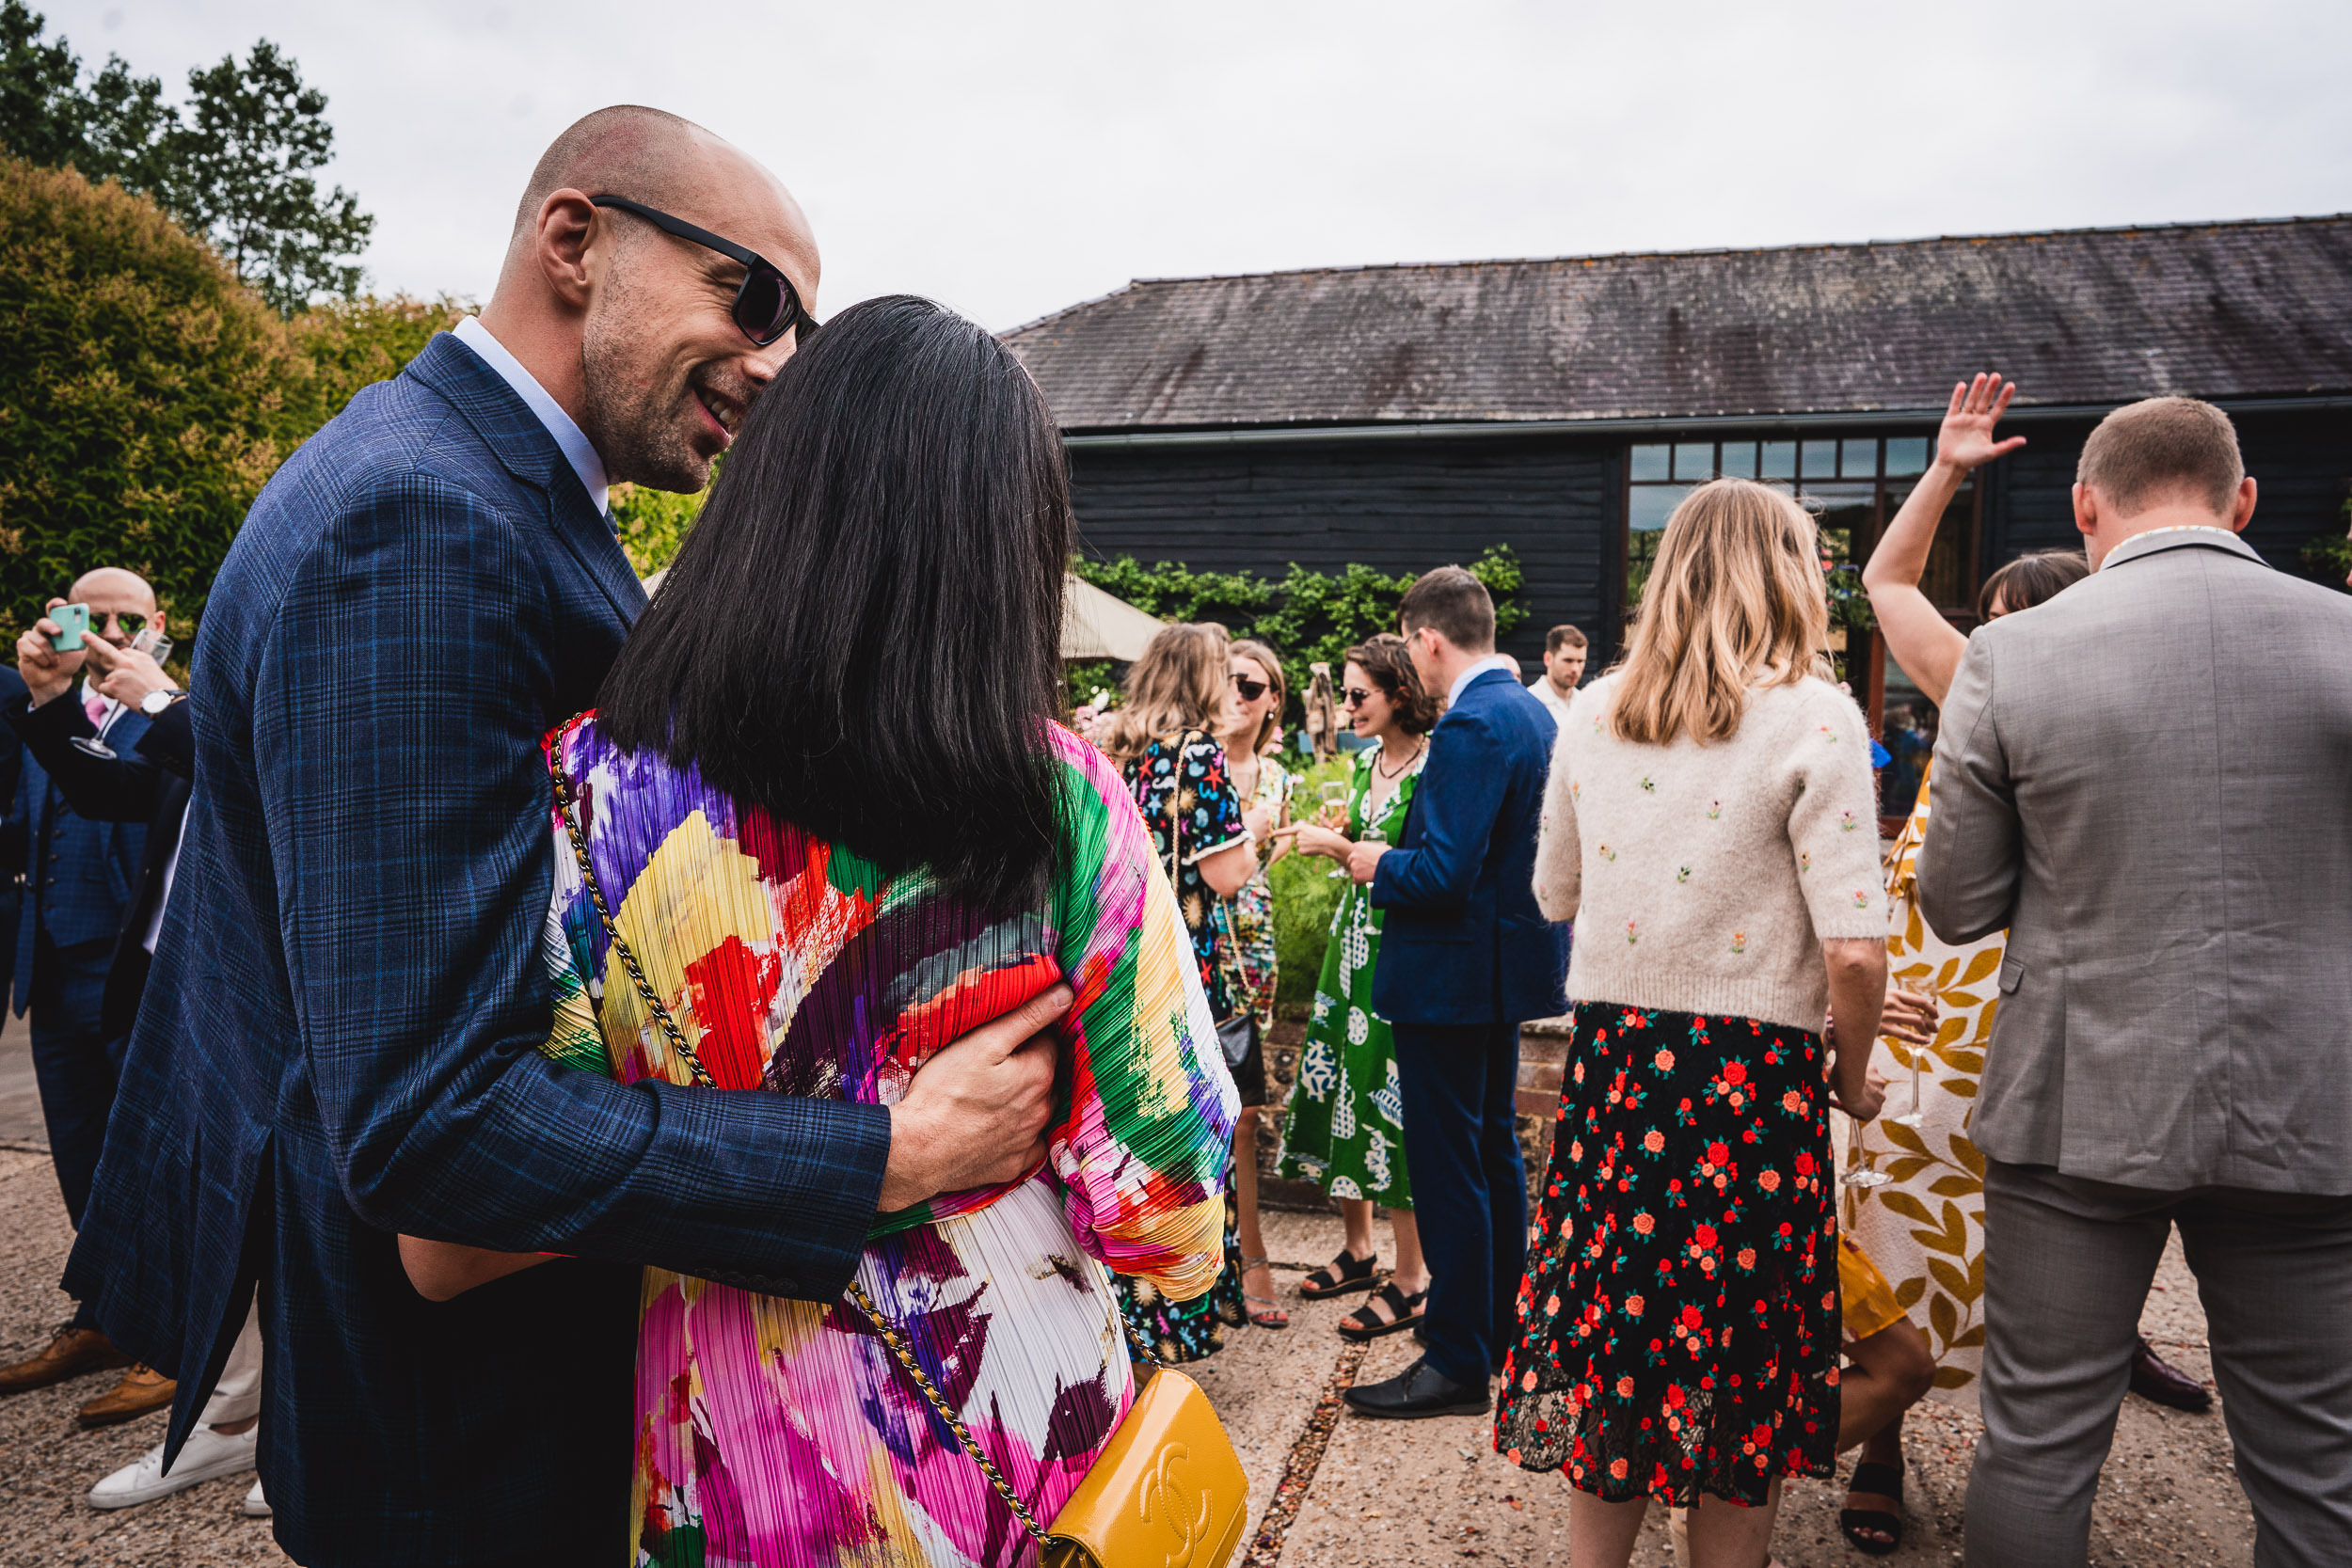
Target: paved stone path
x,y
1383,1494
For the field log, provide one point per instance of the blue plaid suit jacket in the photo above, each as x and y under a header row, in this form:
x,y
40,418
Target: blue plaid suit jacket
x,y
339,1037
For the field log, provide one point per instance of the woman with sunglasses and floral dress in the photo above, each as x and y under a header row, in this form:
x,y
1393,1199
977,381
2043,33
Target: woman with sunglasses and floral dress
x,y
1162,737
1245,937
1344,1124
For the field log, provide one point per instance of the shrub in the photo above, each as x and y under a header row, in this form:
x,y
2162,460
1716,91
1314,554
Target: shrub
x,y
1305,616
145,395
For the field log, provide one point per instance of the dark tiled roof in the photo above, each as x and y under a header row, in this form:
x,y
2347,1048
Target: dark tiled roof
x,y
2083,316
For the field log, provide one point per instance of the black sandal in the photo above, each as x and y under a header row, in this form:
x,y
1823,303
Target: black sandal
x,y
1407,1310
1341,1277
1886,1480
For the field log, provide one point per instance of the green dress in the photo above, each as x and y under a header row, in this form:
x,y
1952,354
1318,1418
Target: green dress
x,y
1344,1124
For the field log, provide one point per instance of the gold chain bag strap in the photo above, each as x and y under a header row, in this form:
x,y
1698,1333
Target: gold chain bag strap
x,y
1166,1489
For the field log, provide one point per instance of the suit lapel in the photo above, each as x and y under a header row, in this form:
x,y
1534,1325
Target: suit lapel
x,y
522,446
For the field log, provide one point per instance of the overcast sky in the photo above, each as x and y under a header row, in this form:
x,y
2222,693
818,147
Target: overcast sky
x,y
1013,158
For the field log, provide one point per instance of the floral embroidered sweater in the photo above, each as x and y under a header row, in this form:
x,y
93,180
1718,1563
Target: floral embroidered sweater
x,y
1704,878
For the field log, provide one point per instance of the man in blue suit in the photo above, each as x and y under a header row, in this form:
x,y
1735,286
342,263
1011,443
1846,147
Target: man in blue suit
x,y
346,1046
1466,958
81,875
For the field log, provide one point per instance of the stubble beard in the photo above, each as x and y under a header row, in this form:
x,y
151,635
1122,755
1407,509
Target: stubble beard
x,y
635,427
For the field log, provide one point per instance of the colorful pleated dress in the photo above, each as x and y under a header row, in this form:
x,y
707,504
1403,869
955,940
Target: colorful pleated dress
x,y
780,1433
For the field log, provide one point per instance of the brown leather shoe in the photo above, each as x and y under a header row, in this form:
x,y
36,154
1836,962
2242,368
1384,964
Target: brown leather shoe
x,y
142,1389
2154,1378
71,1352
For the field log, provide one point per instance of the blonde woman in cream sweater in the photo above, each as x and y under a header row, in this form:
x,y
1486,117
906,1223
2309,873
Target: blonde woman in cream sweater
x,y
1711,827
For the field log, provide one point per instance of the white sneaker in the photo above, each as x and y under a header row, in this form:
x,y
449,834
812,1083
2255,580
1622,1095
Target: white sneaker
x,y
256,1506
208,1455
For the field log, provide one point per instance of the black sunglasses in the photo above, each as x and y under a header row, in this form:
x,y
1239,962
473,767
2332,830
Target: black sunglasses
x,y
1357,696
1251,691
767,306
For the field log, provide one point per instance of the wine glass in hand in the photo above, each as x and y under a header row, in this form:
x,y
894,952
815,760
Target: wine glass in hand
x,y
1909,1017
1334,793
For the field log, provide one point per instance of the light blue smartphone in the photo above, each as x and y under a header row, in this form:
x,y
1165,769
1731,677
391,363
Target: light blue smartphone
x,y
72,622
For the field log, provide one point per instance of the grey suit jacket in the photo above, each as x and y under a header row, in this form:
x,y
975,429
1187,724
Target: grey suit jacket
x,y
2149,780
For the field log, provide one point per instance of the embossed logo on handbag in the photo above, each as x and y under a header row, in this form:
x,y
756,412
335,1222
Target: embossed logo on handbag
x,y
1186,1510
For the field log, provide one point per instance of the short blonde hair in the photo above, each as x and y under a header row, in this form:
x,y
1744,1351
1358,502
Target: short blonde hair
x,y
1734,601
1178,685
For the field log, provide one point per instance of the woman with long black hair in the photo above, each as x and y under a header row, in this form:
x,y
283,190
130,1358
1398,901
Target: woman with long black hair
x,y
820,825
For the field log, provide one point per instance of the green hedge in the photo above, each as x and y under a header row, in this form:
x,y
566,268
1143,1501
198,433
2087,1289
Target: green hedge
x,y
145,395
1304,616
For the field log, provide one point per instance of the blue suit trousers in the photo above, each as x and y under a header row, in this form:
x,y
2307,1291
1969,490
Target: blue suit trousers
x,y
1470,1187
74,1064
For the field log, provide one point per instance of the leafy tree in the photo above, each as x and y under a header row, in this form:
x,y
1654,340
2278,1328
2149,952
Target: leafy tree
x,y
114,129
242,175
238,164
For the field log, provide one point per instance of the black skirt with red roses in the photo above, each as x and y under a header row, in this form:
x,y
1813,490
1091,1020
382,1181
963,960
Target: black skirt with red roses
x,y
1679,1319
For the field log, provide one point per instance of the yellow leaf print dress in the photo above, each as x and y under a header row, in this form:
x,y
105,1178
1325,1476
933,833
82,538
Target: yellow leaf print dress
x,y
1925,1229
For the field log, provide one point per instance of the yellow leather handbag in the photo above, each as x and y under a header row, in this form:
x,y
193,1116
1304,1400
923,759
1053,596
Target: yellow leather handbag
x,y
1166,1492
1168,1489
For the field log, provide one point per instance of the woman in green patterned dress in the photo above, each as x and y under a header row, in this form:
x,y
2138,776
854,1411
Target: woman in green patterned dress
x,y
1253,726
1344,1124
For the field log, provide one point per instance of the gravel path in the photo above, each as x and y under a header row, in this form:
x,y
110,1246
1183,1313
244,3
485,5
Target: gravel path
x,y
1383,1493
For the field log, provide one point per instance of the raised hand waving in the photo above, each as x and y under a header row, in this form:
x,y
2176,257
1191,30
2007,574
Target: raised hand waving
x,y
1966,440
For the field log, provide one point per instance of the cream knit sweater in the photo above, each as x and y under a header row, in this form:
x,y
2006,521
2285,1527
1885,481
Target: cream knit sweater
x,y
1704,878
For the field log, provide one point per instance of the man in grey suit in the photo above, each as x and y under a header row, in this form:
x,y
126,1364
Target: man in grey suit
x,y
2148,779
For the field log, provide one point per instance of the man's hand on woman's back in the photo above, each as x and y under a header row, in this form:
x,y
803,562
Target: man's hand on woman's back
x,y
976,1111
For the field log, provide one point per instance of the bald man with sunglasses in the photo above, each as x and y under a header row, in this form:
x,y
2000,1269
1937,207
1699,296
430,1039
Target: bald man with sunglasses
x,y
347,1047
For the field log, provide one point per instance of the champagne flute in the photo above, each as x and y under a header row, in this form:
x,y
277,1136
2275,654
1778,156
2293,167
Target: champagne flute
x,y
1917,1116
1334,793
1868,1174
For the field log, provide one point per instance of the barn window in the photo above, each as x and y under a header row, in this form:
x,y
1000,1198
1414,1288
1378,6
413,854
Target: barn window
x,y
1853,484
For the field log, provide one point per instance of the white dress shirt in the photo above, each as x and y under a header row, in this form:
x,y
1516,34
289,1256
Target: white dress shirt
x,y
1492,661
578,451
1549,695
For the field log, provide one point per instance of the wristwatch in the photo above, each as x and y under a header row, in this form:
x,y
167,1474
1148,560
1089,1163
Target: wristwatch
x,y
158,700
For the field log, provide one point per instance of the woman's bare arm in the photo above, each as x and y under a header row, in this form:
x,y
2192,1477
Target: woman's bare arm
x,y
1922,642
439,1270
1225,870
1857,995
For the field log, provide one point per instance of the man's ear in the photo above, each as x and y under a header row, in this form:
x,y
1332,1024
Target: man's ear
x,y
2242,512
567,228
2086,510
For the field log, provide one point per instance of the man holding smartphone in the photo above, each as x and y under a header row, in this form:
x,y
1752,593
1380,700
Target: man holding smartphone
x,y
79,880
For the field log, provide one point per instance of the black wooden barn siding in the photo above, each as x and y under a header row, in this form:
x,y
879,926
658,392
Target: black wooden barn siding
x,y
1403,505
2302,462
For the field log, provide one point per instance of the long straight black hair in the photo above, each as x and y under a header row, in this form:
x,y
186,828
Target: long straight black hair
x,y
863,632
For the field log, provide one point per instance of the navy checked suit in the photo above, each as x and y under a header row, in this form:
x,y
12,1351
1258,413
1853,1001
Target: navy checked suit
x,y
346,1046
1466,958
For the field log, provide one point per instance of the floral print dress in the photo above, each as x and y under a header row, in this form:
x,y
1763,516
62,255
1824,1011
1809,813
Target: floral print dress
x,y
1344,1124
1925,1229
1680,1315
1245,921
1190,809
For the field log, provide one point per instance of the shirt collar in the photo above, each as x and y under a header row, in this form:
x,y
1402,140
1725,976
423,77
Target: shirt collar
x,y
1492,661
2138,542
578,450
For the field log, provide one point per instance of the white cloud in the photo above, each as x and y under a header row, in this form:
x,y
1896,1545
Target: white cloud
x,y
1013,159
